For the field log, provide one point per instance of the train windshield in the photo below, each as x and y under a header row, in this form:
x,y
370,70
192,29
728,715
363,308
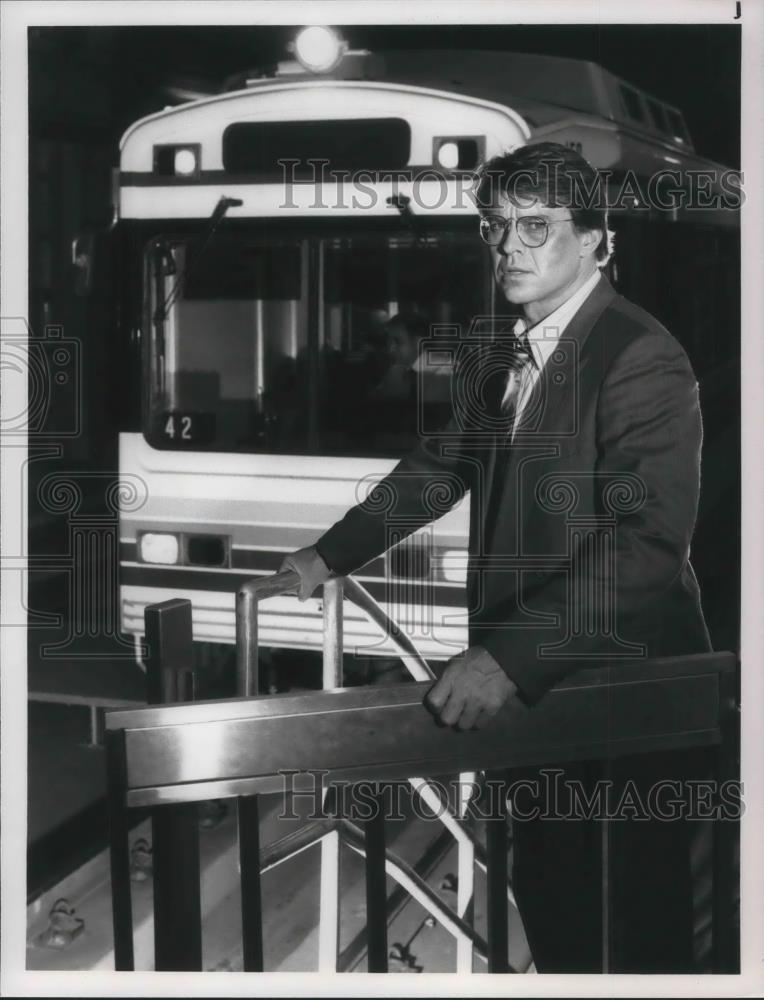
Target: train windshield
x,y
285,346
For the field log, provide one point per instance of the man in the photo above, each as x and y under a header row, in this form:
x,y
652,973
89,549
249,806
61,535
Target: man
x,y
414,387
406,333
590,400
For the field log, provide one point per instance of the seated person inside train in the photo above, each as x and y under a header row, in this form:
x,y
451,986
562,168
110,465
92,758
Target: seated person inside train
x,y
416,386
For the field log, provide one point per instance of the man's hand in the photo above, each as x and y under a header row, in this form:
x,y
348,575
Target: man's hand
x,y
471,690
310,567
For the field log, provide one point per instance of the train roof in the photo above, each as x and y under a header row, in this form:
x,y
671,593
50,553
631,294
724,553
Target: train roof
x,y
492,101
543,87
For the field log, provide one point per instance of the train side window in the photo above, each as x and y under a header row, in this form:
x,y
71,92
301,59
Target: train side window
x,y
677,126
657,114
632,103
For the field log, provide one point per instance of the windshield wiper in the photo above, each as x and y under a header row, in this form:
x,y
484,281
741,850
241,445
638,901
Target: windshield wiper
x,y
214,221
403,203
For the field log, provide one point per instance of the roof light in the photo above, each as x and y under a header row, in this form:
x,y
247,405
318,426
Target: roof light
x,y
185,161
319,49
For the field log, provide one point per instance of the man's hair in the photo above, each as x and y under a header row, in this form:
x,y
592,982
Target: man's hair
x,y
414,323
554,174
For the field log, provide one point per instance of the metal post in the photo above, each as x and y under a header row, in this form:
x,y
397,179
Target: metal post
x,y
175,828
465,876
726,885
329,906
246,644
333,645
251,894
169,638
119,853
96,726
177,892
606,874
376,888
247,600
496,881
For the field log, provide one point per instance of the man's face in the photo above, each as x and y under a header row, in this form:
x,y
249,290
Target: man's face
x,y
403,348
540,278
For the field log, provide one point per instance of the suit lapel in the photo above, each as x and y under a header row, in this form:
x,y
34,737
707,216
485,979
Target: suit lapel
x,y
555,389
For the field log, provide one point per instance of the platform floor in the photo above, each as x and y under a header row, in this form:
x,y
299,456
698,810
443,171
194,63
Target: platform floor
x,y
291,905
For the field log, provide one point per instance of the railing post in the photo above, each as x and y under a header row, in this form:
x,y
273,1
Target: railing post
x,y
376,886
247,600
246,644
119,853
333,645
175,828
248,809
329,913
251,893
465,886
725,884
496,875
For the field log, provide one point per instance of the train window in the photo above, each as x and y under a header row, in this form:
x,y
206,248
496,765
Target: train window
x,y
657,114
229,339
345,144
632,103
285,346
677,126
383,384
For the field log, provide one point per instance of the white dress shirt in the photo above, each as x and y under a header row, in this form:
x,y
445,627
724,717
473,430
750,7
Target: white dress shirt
x,y
543,338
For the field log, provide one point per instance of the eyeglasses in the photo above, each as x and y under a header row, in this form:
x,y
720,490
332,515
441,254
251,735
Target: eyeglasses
x,y
533,231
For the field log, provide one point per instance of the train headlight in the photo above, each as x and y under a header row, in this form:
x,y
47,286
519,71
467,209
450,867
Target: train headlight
x,y
177,160
159,548
458,152
453,565
318,49
448,155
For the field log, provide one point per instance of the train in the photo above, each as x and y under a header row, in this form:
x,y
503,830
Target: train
x,y
262,237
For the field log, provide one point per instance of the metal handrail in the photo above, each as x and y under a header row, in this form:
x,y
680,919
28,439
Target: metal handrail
x,y
159,756
469,851
247,599
405,874
416,664
262,587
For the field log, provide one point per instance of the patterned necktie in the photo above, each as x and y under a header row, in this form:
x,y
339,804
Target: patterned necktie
x,y
520,361
515,369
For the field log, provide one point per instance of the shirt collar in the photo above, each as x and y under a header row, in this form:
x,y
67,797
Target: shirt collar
x,y
544,335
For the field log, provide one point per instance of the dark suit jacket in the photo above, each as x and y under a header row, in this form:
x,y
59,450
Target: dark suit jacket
x,y
581,525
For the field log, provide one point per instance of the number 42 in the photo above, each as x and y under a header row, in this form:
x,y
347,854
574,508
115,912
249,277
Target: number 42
x,y
185,428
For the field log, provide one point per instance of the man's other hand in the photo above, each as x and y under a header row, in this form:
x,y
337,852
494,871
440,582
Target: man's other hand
x,y
310,567
471,690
